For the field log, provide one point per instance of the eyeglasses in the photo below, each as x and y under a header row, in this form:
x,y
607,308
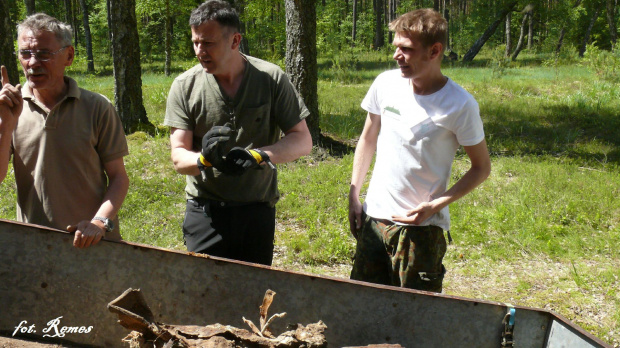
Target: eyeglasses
x,y
40,55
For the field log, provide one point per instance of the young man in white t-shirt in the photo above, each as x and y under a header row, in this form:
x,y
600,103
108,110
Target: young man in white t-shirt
x,y
417,119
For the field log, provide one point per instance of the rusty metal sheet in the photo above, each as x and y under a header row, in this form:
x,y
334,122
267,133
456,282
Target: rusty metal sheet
x,y
47,284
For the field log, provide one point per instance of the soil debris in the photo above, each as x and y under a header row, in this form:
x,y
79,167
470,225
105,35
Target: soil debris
x,y
134,314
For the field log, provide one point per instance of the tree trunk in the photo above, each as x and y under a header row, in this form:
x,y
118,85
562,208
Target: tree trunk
x,y
475,48
126,56
611,15
521,36
508,34
7,48
74,24
530,30
87,37
446,15
563,30
379,37
68,18
391,17
245,45
353,33
271,41
586,36
31,7
168,39
301,65
560,41
107,4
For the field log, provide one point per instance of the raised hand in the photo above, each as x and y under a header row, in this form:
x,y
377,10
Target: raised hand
x,y
11,102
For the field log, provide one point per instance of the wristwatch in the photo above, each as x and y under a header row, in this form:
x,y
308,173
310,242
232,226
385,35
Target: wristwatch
x,y
107,223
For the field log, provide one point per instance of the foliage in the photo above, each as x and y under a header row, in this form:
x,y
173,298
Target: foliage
x,y
265,25
499,62
332,31
568,55
606,64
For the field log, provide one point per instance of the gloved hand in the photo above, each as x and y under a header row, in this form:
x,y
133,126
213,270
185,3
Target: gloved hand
x,y
242,159
212,153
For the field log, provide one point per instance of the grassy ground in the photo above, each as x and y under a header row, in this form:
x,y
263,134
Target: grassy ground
x,y
542,231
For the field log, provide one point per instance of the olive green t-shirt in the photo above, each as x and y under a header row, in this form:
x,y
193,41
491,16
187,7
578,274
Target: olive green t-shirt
x,y
58,157
265,105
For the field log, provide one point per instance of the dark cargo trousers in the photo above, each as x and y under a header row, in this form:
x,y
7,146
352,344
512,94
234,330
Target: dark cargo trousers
x,y
237,231
405,256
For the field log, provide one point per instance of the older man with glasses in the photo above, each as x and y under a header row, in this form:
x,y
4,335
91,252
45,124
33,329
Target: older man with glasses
x,y
67,143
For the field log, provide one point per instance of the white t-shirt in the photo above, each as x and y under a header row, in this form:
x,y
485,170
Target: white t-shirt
x,y
418,140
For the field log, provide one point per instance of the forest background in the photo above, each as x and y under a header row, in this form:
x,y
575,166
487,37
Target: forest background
x,y
543,231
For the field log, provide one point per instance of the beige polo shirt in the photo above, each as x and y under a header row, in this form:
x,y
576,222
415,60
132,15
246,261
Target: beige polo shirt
x,y
58,157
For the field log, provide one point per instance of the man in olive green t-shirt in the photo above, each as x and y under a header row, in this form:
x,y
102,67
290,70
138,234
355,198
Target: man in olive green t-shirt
x,y
67,143
226,115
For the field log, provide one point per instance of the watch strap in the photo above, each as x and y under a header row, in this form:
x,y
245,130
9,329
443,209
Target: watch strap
x,y
108,224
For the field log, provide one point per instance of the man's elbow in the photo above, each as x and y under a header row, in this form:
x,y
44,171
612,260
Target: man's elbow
x,y
306,146
176,161
485,171
299,143
175,165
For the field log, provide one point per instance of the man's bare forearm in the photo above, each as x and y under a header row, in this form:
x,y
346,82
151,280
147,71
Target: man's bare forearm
x,y
296,143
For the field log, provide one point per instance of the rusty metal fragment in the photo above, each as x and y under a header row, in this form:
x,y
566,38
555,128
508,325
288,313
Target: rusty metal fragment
x,y
264,322
134,314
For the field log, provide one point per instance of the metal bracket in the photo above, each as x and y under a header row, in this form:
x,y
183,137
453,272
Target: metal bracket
x,y
509,324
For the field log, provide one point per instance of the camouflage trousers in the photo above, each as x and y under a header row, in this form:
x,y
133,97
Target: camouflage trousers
x,y
405,256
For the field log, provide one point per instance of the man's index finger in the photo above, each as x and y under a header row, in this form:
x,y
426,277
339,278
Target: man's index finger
x,y
5,76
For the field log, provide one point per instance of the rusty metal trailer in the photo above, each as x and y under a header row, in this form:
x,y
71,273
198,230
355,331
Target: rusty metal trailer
x,y
53,291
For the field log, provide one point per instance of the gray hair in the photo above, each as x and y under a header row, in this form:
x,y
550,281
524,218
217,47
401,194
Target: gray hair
x,y
40,22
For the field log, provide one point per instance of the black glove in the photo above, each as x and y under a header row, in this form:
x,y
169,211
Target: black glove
x,y
213,142
242,159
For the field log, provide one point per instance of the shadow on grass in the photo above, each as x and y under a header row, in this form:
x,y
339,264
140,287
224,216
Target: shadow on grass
x,y
586,135
335,147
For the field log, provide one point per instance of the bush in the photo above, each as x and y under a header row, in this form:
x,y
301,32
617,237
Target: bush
x,y
604,63
568,55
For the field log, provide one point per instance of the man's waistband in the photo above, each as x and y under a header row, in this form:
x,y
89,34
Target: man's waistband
x,y
198,201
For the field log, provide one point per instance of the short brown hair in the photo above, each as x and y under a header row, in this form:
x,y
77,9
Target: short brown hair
x,y
427,24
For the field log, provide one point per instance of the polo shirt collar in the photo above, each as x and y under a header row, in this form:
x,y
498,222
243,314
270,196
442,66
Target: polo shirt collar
x,y
73,92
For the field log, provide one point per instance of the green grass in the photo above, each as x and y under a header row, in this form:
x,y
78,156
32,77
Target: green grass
x,y
542,231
